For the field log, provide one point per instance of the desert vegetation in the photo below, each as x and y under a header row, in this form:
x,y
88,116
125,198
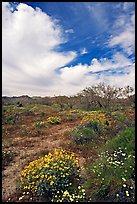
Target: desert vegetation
x,y
69,149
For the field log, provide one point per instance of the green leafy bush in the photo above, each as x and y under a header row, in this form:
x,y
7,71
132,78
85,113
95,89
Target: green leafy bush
x,y
52,176
118,116
42,114
8,119
82,135
94,125
56,106
125,138
115,166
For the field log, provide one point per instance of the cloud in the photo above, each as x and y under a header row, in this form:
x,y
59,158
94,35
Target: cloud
x,y
87,75
126,36
74,74
83,51
29,40
122,80
98,14
69,31
127,6
118,61
32,64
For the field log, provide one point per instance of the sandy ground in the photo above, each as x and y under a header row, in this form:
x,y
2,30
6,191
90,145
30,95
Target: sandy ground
x,y
27,149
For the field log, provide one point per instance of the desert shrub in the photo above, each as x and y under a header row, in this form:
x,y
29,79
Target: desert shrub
x,y
125,138
66,196
94,125
33,131
35,108
74,111
114,169
56,106
26,130
54,177
6,143
4,131
42,114
39,124
82,135
118,116
71,117
53,120
7,156
96,117
9,119
28,113
89,129
68,116
125,194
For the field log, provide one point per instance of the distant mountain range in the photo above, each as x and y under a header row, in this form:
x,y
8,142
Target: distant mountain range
x,y
25,100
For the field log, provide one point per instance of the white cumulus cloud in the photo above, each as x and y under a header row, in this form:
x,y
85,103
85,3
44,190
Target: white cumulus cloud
x,y
83,75
29,39
126,37
31,62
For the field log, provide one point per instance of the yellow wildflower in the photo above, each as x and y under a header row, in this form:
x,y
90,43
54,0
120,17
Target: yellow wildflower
x,y
51,183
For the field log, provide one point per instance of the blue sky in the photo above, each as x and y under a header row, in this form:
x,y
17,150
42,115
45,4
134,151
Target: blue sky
x,y
59,48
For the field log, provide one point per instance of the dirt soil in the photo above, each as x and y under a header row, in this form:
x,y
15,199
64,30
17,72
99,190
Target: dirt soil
x,y
29,148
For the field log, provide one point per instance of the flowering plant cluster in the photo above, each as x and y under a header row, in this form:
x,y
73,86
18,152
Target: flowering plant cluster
x,y
117,164
54,120
50,176
96,117
4,131
70,196
73,111
40,124
126,193
7,156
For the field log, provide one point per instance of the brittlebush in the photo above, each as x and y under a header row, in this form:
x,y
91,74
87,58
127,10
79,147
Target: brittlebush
x,y
50,174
